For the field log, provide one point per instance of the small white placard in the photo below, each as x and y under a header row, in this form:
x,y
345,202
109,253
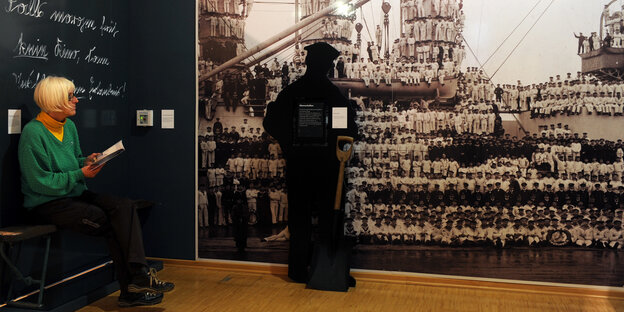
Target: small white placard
x,y
15,121
167,118
339,118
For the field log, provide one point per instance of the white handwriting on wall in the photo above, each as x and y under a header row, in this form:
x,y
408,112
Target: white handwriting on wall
x,y
108,28
30,50
101,89
27,81
80,90
61,50
95,59
82,23
32,8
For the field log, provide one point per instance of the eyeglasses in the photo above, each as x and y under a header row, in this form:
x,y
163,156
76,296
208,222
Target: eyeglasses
x,y
70,97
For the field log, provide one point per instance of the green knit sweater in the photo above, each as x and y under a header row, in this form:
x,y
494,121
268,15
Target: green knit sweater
x,y
51,169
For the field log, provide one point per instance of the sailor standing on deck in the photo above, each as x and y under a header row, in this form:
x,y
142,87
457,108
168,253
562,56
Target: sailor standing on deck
x,y
581,42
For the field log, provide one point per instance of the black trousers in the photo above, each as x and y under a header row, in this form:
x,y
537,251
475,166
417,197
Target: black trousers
x,y
112,217
308,194
240,222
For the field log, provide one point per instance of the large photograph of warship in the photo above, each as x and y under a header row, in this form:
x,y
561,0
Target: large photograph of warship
x,y
460,168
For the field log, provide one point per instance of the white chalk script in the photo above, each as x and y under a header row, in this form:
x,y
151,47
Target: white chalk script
x,y
94,59
79,90
110,28
32,8
30,50
100,89
61,50
27,81
80,22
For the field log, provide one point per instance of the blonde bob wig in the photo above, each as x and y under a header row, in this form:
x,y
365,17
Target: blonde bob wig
x,y
52,94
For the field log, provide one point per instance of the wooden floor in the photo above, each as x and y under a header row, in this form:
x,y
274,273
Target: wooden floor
x,y
202,288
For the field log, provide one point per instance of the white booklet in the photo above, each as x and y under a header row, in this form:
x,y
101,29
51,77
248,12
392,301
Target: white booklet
x,y
109,154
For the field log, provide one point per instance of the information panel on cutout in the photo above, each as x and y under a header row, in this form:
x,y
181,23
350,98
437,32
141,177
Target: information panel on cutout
x,y
83,40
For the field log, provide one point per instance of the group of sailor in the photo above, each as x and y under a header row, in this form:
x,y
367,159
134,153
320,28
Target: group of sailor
x,y
572,96
477,120
603,98
336,28
407,72
215,204
430,30
387,194
222,27
415,9
310,7
457,225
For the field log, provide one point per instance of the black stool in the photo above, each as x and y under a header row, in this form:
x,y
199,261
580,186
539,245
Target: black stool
x,y
16,235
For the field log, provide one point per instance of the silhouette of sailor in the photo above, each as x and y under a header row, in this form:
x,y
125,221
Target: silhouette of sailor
x,y
302,121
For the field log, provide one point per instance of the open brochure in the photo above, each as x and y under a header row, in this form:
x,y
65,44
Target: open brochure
x,y
109,154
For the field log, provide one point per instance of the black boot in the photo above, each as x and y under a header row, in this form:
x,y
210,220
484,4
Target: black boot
x,y
146,281
139,299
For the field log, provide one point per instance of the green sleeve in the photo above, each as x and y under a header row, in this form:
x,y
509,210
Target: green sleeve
x,y
81,161
33,164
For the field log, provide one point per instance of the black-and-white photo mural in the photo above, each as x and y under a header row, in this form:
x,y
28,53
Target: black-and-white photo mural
x,y
489,133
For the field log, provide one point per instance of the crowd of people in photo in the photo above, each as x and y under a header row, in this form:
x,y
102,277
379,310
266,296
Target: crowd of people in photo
x,y
614,33
429,50
337,28
222,31
442,184
259,85
224,27
223,19
415,9
579,97
423,172
234,8
465,188
309,7
583,94
567,95
246,157
402,121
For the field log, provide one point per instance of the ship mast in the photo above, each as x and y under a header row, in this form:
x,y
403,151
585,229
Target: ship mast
x,y
285,33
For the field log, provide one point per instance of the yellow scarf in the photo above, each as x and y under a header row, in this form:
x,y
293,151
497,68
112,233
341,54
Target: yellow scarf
x,y
55,127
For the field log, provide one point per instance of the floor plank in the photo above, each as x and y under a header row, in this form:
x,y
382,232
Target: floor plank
x,y
200,289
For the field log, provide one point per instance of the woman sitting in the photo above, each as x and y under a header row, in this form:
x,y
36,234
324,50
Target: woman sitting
x,y
53,183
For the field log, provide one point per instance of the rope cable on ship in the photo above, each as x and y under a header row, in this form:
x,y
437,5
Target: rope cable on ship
x,y
511,33
522,39
476,58
370,37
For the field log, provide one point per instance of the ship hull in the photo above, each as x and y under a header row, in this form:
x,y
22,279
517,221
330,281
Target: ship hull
x,y
398,90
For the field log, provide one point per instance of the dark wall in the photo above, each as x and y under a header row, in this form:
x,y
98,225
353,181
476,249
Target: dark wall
x,y
154,54
34,41
162,161
102,115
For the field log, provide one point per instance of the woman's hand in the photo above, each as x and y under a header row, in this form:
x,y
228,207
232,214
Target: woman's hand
x,y
91,159
91,171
